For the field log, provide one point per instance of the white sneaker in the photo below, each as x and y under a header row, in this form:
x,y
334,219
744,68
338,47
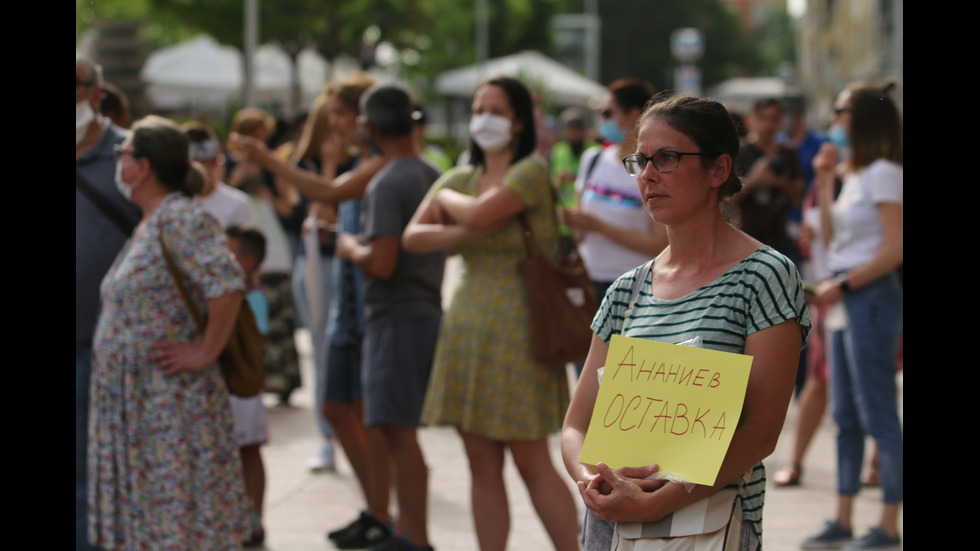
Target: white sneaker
x,y
324,460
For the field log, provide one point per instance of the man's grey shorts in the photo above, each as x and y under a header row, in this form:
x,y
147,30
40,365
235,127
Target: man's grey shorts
x,y
397,359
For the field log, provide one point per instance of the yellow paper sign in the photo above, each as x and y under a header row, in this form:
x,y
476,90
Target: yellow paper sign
x,y
662,403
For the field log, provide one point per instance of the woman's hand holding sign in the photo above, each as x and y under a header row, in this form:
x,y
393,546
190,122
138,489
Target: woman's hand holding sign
x,y
620,495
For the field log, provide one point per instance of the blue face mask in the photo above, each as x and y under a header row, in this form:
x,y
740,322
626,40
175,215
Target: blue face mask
x,y
610,131
839,138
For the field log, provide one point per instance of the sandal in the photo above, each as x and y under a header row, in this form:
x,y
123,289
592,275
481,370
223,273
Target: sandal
x,y
790,476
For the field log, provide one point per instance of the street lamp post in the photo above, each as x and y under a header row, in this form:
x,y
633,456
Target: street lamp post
x,y
251,38
687,45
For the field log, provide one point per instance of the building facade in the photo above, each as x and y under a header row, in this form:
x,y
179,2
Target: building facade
x,y
841,41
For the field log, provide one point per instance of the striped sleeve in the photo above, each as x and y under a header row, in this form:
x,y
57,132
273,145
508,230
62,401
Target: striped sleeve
x,y
763,290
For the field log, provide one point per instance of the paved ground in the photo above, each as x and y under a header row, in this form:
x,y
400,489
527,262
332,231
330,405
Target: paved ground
x,y
301,506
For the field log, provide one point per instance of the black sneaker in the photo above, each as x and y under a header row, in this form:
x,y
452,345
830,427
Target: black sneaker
x,y
365,531
831,536
355,526
256,540
877,540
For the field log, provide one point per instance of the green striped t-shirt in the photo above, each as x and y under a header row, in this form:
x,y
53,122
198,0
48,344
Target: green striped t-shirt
x,y
762,290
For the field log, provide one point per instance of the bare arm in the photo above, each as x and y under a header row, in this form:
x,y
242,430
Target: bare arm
x,y
286,197
649,243
888,257
490,209
825,166
204,351
762,173
891,254
431,229
576,424
377,259
452,217
326,187
579,413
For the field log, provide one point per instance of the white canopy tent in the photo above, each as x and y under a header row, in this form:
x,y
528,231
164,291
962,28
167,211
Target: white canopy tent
x,y
564,86
740,93
199,72
202,73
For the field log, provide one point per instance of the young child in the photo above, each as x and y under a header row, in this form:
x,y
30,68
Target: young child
x,y
251,419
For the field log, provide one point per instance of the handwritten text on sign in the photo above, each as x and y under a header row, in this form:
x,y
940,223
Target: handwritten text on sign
x,y
673,405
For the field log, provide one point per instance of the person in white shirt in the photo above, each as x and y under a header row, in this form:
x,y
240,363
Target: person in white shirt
x,y
229,205
614,232
864,228
611,225
233,210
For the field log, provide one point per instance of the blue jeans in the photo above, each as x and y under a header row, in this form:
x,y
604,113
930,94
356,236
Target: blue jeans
x,y
318,331
597,534
863,386
83,374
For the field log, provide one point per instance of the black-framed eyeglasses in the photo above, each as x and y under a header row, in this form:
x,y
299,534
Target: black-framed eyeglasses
x,y
118,152
80,82
663,161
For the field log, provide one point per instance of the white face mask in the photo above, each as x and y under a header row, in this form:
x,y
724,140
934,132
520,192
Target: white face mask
x,y
490,132
125,189
83,116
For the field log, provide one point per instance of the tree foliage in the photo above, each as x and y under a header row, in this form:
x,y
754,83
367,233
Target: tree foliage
x,y
776,40
636,40
433,36
449,39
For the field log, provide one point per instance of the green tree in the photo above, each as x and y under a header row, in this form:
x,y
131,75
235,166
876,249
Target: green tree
x,y
159,27
448,40
776,40
433,36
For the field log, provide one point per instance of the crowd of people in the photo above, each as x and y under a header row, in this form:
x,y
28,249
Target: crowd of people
x,y
777,242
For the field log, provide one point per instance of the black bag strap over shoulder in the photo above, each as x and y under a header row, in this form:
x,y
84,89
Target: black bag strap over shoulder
x,y
107,208
593,162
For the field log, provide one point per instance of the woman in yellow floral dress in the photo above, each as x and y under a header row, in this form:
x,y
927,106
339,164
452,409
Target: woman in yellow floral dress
x,y
484,381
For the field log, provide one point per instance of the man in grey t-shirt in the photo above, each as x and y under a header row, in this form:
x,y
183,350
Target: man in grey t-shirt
x,y
402,305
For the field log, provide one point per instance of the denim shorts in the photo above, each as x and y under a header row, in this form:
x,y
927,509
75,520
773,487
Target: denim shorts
x,y
343,373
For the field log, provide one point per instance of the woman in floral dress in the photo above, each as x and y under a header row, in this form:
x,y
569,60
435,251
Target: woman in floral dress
x,y
164,469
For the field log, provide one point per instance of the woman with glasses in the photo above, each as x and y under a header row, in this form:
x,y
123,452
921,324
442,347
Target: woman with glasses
x,y
484,381
164,467
713,284
865,230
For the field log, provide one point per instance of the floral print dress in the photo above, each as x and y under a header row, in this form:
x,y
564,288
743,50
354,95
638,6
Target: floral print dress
x,y
163,462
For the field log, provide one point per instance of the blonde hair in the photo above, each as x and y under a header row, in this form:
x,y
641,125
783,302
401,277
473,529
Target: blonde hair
x,y
315,131
197,178
246,121
350,88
